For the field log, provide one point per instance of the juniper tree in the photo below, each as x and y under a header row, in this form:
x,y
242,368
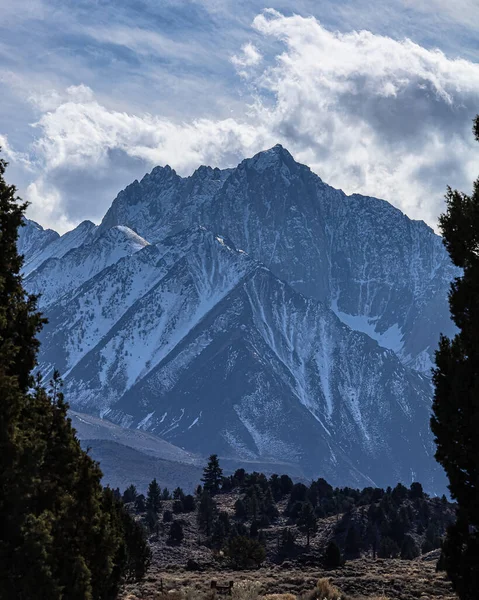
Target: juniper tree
x,y
206,514
61,534
307,522
455,420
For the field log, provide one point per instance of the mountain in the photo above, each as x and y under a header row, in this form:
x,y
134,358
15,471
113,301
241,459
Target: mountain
x,y
38,245
381,272
254,312
59,274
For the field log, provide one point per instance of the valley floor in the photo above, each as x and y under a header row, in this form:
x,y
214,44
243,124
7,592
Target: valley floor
x,y
381,579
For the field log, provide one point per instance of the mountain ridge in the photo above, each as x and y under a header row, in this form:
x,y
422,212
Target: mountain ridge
x,y
262,297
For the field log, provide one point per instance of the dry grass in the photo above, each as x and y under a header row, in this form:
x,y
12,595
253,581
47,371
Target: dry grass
x,y
362,579
246,590
324,590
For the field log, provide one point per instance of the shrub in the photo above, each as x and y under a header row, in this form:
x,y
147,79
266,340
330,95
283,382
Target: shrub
x,y
244,552
246,590
332,557
176,533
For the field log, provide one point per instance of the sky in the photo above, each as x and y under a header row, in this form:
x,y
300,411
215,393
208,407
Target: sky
x,y
376,96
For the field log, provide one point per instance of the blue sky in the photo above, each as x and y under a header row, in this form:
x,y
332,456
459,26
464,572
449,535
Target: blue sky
x,y
377,97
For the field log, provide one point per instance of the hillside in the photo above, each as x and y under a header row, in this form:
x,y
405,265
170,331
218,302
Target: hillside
x,y
388,538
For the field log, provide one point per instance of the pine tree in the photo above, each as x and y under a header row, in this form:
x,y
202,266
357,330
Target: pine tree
x,y
207,511
130,494
455,420
153,497
409,549
307,522
61,534
176,535
212,475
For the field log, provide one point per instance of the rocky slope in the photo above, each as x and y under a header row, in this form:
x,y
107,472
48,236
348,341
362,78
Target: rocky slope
x,y
255,312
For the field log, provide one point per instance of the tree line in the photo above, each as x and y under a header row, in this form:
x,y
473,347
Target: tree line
x,y
399,522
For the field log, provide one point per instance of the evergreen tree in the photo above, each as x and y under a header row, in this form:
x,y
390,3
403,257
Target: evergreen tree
x,y
352,546
206,514
244,552
138,553
189,503
455,420
307,522
212,476
140,505
176,535
61,534
388,548
177,507
178,494
409,549
167,516
287,540
153,497
221,529
332,557
130,494
241,511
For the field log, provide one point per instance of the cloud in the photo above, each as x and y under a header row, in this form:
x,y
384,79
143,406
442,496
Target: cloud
x,y
368,113
249,56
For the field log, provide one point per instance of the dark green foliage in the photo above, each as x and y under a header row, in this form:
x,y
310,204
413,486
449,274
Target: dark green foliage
x,y
165,494
244,553
178,494
138,553
307,522
455,420
176,534
153,497
254,529
130,494
221,529
140,504
61,534
416,491
152,521
167,516
189,503
332,557
240,509
353,541
409,548
269,508
286,484
388,548
212,476
207,511
287,541
177,507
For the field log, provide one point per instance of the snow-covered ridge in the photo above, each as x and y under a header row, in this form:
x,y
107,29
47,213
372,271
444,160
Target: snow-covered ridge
x,y
255,312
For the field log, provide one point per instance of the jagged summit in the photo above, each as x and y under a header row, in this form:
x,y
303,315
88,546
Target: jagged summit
x,y
300,319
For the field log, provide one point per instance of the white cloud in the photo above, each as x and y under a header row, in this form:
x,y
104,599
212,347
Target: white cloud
x,y
368,113
249,57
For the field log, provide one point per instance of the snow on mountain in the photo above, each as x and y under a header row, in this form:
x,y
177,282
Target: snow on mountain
x,y
301,331
59,275
32,238
359,255
197,342
58,246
